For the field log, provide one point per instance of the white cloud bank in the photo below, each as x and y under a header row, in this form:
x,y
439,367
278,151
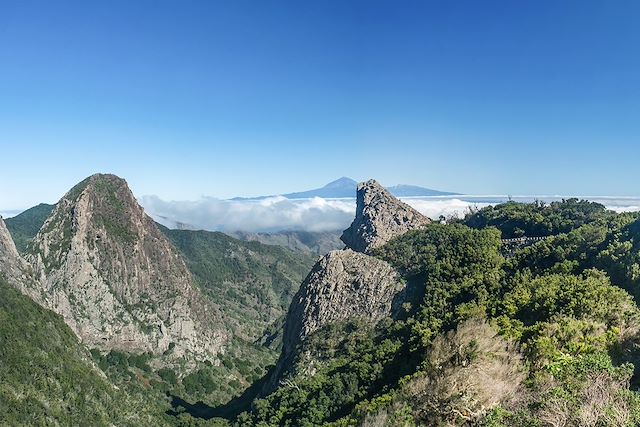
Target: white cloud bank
x,y
272,214
316,214
9,213
277,213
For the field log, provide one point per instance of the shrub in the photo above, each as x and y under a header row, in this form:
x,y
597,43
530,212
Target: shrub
x,y
468,372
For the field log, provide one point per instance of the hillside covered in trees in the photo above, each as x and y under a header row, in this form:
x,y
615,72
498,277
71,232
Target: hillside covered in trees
x,y
548,337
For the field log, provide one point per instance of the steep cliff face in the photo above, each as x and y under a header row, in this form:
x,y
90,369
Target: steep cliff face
x,y
10,264
342,285
349,284
379,218
15,269
116,280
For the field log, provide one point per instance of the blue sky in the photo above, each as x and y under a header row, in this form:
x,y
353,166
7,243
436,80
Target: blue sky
x,y
192,98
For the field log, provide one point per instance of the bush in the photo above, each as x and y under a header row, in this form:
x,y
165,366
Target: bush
x,y
468,372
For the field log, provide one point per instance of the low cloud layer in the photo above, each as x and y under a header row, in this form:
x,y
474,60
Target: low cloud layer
x,y
9,213
277,213
272,214
316,214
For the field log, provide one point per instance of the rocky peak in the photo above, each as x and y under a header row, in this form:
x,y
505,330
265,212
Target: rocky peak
x,y
342,285
350,283
115,278
379,218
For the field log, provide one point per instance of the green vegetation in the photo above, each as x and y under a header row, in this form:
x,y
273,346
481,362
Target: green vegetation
x,y
47,377
547,337
537,219
110,195
252,283
25,226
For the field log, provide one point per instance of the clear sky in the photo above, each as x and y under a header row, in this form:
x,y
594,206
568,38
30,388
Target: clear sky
x,y
237,98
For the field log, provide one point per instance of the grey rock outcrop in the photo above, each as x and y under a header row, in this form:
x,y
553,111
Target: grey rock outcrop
x,y
16,270
12,266
342,285
116,280
379,218
350,283
10,262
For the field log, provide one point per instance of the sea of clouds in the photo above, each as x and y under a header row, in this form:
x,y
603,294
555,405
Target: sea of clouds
x,y
318,214
271,214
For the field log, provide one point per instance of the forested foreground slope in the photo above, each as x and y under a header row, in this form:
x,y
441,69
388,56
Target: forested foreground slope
x,y
548,337
48,378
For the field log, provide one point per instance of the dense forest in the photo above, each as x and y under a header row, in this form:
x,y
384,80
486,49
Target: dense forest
x,y
547,337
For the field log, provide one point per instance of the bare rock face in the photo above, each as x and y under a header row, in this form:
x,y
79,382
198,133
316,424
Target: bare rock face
x,y
16,270
350,283
116,280
10,262
379,218
342,285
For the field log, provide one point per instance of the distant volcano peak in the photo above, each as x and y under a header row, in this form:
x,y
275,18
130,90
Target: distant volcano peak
x,y
346,187
342,182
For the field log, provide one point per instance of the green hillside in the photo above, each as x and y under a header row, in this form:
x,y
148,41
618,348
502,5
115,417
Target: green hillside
x,y
548,337
253,283
25,226
48,378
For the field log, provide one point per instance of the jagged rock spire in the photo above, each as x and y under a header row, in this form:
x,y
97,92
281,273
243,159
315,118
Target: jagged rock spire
x,y
350,283
379,218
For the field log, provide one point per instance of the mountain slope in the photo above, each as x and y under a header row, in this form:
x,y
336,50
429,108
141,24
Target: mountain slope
x,y
252,283
15,270
25,226
539,339
403,190
311,242
348,285
47,377
115,278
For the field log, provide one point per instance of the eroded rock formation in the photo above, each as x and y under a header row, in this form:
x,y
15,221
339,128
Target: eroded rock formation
x,y
116,280
379,218
343,285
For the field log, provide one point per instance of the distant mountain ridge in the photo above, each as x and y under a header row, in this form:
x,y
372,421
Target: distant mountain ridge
x,y
310,242
346,188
